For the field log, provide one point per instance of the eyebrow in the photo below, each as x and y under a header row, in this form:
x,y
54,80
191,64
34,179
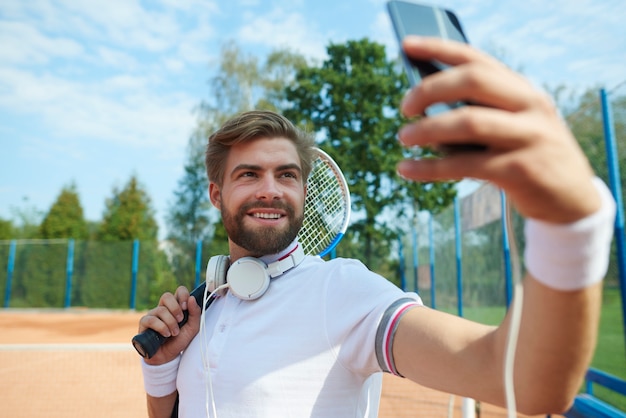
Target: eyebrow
x,y
254,167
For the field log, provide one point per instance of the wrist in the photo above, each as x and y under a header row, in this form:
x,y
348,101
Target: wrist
x,y
575,255
160,380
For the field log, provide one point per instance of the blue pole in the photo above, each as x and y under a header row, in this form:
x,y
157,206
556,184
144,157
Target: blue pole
x,y
69,269
459,264
402,276
135,267
198,261
10,267
508,277
616,189
432,261
415,254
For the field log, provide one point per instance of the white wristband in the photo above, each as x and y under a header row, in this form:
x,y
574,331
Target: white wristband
x,y
160,380
572,256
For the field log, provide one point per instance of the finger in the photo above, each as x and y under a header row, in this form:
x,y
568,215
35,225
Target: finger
x,y
493,128
444,50
160,320
173,305
475,78
182,295
473,83
454,167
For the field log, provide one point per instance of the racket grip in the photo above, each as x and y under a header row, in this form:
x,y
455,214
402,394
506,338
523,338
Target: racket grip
x,y
149,341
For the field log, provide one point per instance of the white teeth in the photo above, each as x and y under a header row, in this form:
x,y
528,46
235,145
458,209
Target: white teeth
x,y
267,215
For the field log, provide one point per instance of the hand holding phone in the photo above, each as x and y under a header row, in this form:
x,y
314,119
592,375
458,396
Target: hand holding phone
x,y
409,18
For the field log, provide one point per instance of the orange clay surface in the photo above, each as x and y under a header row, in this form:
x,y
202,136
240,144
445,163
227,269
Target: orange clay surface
x,y
79,363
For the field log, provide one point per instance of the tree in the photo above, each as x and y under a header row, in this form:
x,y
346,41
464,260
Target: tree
x,y
351,102
65,218
41,268
128,215
104,280
26,220
7,230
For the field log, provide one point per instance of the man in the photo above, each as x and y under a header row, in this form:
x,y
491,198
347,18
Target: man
x,y
308,346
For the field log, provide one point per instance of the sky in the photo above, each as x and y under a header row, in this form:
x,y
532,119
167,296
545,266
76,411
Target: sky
x,y
93,92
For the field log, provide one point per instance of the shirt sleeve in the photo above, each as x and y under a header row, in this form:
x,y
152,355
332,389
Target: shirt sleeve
x,y
362,312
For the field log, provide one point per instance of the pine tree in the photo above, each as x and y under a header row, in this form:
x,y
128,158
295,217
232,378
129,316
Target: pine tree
x,y
128,215
65,218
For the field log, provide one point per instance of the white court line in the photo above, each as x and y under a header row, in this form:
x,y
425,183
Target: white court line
x,y
68,347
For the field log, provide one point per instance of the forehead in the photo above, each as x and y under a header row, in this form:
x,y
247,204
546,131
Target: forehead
x,y
264,152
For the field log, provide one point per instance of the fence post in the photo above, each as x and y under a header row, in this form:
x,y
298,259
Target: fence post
x,y
135,266
508,279
69,269
10,267
432,261
415,252
198,261
459,264
402,266
616,188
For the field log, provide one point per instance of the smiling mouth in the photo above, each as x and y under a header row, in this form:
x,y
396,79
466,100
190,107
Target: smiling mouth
x,y
267,215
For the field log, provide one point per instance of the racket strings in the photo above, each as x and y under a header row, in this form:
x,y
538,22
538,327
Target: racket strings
x,y
326,208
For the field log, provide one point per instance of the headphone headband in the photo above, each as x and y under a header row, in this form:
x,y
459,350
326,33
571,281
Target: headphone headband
x,y
249,277
286,263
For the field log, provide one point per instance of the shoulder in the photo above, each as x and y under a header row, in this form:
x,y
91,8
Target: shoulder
x,y
338,266
346,273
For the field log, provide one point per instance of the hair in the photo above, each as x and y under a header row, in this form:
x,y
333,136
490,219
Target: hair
x,y
252,125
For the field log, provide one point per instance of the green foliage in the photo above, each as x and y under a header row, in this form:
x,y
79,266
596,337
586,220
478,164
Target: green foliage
x,y
351,102
103,277
26,220
128,215
39,275
7,230
65,218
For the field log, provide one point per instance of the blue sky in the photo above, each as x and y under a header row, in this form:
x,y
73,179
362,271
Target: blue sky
x,y
92,92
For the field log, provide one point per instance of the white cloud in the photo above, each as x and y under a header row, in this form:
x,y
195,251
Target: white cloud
x,y
22,44
281,29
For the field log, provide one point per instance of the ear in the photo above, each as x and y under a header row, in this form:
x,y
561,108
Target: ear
x,y
215,196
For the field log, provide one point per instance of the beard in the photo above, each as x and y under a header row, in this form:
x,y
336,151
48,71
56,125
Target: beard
x,y
262,240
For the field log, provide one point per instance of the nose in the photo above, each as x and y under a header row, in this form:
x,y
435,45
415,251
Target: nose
x,y
269,189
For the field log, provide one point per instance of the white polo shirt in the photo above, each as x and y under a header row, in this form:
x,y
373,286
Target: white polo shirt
x,y
306,348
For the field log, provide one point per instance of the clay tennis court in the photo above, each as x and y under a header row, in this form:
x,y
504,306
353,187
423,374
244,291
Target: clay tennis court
x,y
80,363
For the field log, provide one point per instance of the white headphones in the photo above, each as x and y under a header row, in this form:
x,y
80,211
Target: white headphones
x,y
248,278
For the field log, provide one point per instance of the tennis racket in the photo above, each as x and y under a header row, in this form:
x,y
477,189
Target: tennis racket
x,y
326,217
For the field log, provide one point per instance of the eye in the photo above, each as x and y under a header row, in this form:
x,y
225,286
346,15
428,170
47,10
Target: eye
x,y
290,174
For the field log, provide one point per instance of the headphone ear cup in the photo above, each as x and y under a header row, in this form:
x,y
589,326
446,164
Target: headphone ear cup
x,y
248,278
216,271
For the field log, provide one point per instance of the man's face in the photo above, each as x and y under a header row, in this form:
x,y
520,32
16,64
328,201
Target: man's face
x,y
262,196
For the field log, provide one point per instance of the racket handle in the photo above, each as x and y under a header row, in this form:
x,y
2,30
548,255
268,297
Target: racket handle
x,y
149,341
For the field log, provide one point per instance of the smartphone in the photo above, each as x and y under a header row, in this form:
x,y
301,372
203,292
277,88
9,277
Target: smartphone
x,y
410,18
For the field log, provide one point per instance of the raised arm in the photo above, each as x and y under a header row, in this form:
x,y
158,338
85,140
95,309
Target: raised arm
x,y
532,155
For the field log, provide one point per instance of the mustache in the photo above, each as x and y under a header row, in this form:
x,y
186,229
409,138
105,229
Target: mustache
x,y
262,205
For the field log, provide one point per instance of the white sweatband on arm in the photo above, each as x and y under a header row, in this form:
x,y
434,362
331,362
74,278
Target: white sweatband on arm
x,y
160,380
575,255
